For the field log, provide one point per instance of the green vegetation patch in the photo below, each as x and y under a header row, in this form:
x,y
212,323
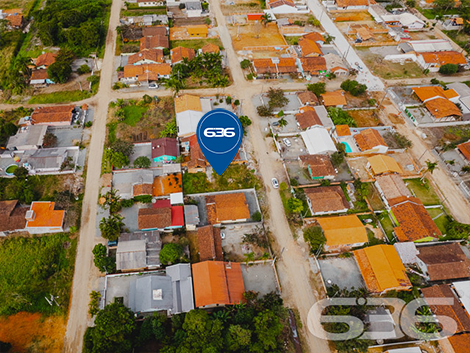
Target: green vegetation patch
x,y
441,220
133,114
60,97
196,43
423,191
34,268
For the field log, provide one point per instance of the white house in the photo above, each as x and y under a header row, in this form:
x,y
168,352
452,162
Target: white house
x,y
407,20
318,141
193,9
150,3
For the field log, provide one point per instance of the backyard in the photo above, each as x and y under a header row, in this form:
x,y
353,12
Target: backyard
x,y
423,191
460,38
196,43
439,217
365,118
387,69
387,226
235,177
256,34
374,198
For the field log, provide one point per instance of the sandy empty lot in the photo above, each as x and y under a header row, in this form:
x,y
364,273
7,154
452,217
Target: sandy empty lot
x,y
256,34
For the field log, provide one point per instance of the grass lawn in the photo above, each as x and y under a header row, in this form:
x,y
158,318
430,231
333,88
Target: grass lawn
x,y
60,97
292,40
33,268
141,12
423,191
133,114
196,43
235,177
387,226
432,13
374,198
460,38
441,220
7,49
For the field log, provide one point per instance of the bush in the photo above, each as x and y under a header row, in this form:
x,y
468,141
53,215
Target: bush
x,y
264,110
84,69
317,88
228,100
182,6
237,102
111,227
353,87
249,77
171,253
448,69
256,217
126,203
93,306
89,124
143,198
341,117
142,162
276,98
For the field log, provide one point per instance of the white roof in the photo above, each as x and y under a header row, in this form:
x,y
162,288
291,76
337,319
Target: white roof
x,y
461,88
176,198
407,252
187,122
318,141
206,105
323,115
405,350
463,290
430,45
405,18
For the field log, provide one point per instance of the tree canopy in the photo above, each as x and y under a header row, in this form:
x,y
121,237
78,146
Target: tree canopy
x,y
102,261
171,253
353,87
449,69
341,117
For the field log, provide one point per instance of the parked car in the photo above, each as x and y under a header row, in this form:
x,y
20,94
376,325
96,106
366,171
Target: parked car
x,y
276,123
112,243
222,235
287,142
153,85
275,183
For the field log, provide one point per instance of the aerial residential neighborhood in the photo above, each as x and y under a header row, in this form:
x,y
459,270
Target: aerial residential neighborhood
x,y
350,185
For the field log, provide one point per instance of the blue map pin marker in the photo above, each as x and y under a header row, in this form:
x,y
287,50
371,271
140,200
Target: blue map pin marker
x,y
219,134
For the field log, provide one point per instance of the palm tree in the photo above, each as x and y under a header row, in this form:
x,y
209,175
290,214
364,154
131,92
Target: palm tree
x,y
264,257
282,122
174,84
265,19
430,167
120,102
249,257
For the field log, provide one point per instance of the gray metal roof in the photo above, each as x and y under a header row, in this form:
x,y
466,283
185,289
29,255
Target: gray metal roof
x,y
182,284
193,5
145,290
138,250
48,158
123,181
191,214
28,136
461,88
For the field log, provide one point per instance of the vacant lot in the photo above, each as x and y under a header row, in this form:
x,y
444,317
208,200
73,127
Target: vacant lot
x,y
344,16
459,37
196,43
374,198
242,6
365,118
141,122
256,34
33,268
28,332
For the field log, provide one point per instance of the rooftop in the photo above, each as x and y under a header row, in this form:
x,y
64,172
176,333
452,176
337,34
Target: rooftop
x,y
155,55
343,230
44,215
333,99
12,215
138,250
54,114
327,199
154,218
442,108
368,139
178,53
164,146
209,243
320,165
384,164
187,102
227,207
45,59
308,98
307,117
392,186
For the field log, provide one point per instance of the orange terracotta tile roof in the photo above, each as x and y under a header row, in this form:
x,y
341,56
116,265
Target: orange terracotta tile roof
x,y
40,74
320,165
315,36
227,207
210,48
343,230
59,113
153,74
167,184
45,59
209,244
343,130
276,3
460,343
154,42
141,189
12,216
178,53
444,262
45,215
364,33
414,221
153,218
384,164
450,93
309,47
15,20
307,118
368,139
217,282
444,57
442,108
464,148
337,68
382,268
187,102
332,99
314,64
327,199
198,29
155,55
455,311
196,157
347,3
266,66
154,31
428,92
392,186
308,98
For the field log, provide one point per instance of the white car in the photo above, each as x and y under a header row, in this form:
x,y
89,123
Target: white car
x,y
275,183
222,235
287,142
153,85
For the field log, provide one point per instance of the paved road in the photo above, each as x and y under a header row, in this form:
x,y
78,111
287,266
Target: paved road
x,y
364,76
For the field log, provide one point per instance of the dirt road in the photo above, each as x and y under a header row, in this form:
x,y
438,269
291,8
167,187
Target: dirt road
x,y
86,273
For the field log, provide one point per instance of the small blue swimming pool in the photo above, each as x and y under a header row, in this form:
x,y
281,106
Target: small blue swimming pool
x,y
348,148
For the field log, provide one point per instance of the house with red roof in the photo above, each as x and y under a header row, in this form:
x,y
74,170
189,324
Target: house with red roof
x,y
43,218
164,150
162,216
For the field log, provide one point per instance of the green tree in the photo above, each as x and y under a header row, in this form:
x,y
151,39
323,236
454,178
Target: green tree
x,y
59,72
111,227
249,257
353,87
174,83
267,330
264,110
84,69
282,122
114,330
93,306
265,19
203,334
314,236
430,167
153,327
237,338
448,69
118,159
102,261
295,205
276,98
122,146
444,5
170,130
147,99
245,121
171,253
341,117
21,172
245,64
142,162
50,140
317,88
